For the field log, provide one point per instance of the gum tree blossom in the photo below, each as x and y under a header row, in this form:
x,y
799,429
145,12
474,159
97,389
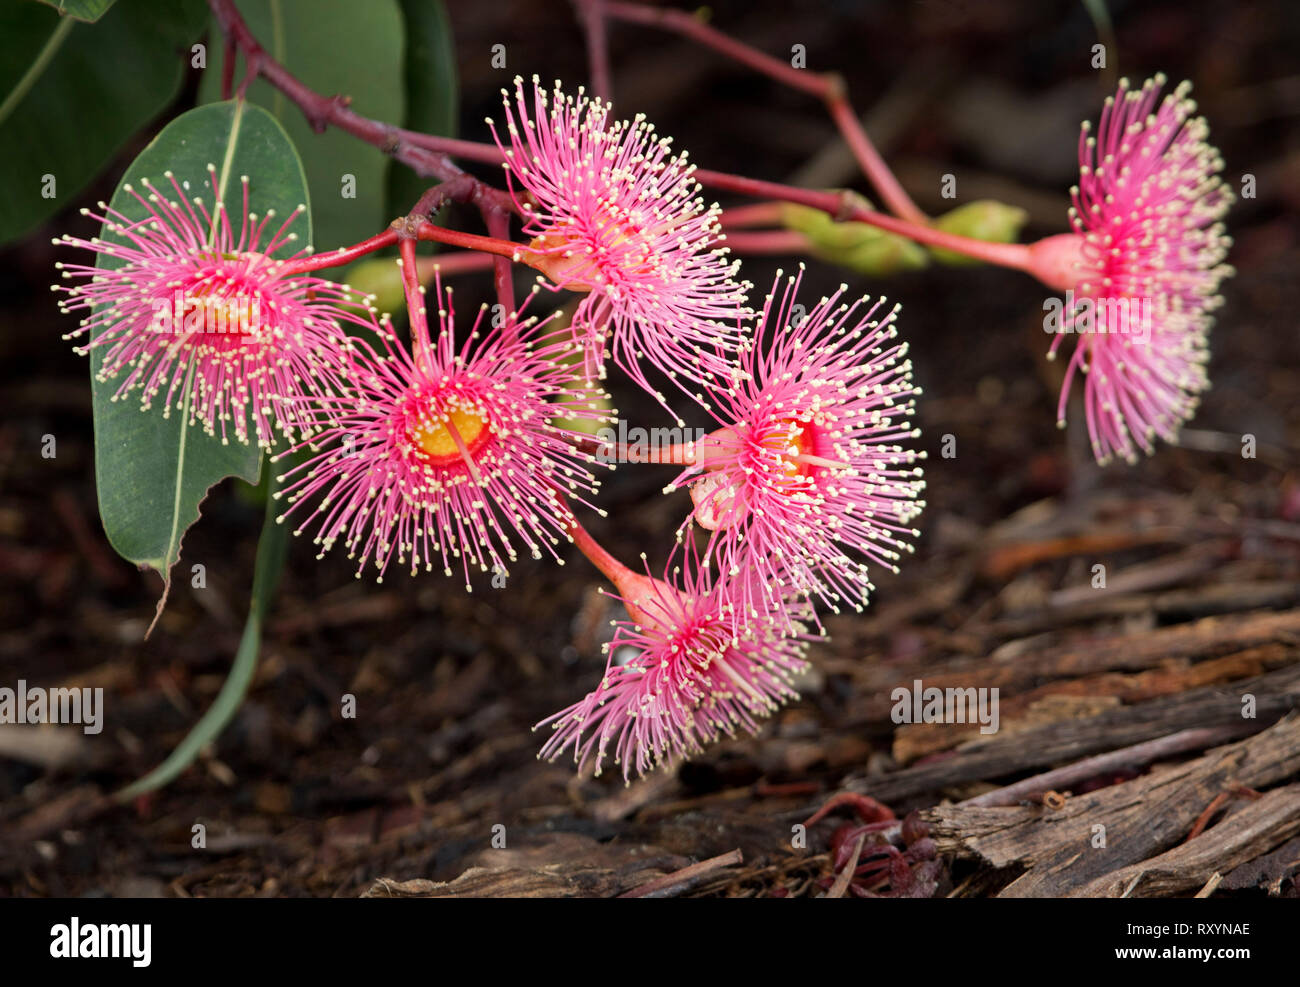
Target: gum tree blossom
x,y
451,454
179,306
810,476
612,212
680,675
1144,265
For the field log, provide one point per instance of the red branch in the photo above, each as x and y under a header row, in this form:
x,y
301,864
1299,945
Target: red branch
x,y
325,111
829,87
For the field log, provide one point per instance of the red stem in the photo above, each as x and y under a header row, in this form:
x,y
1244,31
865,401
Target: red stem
x,y
469,150
415,306
836,204
687,25
828,87
498,224
841,207
428,154
869,159
768,242
454,263
470,241
344,255
228,70
613,570
681,454
321,111
758,214
593,24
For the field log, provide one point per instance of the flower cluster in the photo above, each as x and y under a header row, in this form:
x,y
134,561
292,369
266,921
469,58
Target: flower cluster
x,y
461,448
807,479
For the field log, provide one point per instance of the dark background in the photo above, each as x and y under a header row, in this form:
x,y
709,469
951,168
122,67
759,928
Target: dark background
x,y
300,802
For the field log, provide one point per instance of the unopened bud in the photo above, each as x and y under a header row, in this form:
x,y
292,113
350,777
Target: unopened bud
x,y
858,246
987,219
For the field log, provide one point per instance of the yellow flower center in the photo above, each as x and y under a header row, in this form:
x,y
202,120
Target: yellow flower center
x,y
436,438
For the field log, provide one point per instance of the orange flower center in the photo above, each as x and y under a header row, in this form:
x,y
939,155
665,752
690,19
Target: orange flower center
x,y
792,442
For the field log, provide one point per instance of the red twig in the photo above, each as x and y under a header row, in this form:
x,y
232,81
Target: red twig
x,y
828,87
841,206
344,255
613,570
593,26
429,155
864,806
457,262
470,241
322,111
228,69
689,26
415,306
769,242
498,224
756,214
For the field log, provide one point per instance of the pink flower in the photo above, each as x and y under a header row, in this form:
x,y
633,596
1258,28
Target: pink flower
x,y
808,476
225,332
689,680
452,454
1144,266
612,212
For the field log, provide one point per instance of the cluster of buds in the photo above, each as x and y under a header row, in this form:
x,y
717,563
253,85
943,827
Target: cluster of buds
x,y
460,450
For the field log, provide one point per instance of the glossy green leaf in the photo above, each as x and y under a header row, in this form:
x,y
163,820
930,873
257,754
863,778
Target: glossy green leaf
x,y
336,48
81,10
152,471
432,91
72,94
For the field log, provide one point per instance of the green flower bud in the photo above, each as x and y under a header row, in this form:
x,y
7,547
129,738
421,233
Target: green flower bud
x,y
994,222
857,246
381,277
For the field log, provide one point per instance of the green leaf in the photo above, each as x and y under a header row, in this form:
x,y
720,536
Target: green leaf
x,y
152,471
75,93
432,91
82,10
272,548
335,48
